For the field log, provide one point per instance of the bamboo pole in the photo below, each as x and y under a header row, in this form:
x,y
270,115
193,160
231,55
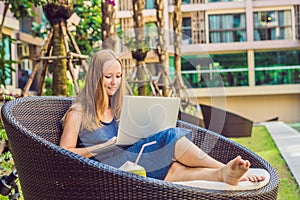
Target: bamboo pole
x,y
43,76
69,55
77,50
64,32
72,72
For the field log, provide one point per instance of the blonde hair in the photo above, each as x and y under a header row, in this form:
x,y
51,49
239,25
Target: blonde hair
x,y
93,100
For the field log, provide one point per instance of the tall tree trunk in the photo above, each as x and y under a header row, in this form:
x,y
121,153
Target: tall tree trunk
x,y
139,54
161,45
177,25
108,25
58,13
178,81
59,66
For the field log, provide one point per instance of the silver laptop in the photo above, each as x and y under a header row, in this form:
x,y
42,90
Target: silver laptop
x,y
142,116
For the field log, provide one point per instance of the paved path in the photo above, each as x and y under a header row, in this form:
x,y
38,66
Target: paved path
x,y
287,140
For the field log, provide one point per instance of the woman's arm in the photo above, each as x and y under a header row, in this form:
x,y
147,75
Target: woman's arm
x,y
70,133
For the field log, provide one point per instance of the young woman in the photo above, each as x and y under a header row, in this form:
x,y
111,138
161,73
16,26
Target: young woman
x,y
92,123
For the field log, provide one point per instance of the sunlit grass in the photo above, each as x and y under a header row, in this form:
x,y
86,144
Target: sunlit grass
x,y
262,144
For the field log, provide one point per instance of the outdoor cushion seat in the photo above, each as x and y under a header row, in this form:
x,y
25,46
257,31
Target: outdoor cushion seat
x,y
243,185
46,171
227,123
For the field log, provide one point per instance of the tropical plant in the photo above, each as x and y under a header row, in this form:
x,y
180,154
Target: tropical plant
x,y
18,9
88,31
41,29
6,156
48,87
5,65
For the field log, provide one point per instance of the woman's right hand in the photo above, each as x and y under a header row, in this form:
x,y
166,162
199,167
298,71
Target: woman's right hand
x,y
113,140
94,150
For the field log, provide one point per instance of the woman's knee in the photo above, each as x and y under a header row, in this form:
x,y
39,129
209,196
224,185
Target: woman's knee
x,y
175,171
182,146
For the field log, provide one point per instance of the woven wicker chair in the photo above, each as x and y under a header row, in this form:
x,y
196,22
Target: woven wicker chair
x,y
47,171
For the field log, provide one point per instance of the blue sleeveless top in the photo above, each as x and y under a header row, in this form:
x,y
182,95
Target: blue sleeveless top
x,y
88,138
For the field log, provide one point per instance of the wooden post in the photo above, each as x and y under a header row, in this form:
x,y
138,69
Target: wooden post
x,y
69,57
77,50
37,66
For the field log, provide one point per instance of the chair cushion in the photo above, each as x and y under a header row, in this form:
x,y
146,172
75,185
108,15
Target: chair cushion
x,y
243,185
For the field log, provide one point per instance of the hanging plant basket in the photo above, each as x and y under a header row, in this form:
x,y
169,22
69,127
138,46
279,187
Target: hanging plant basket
x,y
57,12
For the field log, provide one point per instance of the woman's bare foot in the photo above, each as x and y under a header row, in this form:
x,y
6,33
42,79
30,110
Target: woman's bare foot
x,y
232,173
252,178
234,170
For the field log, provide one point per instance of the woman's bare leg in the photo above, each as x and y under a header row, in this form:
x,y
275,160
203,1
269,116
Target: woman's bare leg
x,y
230,173
194,160
189,154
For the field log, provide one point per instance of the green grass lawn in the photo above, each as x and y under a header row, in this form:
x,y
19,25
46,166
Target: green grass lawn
x,y
262,144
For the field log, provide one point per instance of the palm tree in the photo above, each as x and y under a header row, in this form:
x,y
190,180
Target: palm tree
x,y
163,79
139,52
57,14
108,24
177,27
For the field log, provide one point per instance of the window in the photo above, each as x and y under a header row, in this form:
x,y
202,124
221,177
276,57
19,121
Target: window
x,y
297,20
149,4
233,68
186,1
172,2
277,67
215,70
272,25
227,28
186,30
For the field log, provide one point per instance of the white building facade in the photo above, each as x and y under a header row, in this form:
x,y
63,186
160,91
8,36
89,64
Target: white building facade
x,y
253,45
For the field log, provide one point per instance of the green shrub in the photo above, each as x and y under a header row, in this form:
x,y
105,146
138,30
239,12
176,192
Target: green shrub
x,y
6,162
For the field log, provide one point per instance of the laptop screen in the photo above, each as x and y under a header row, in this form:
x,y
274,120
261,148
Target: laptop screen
x,y
142,116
